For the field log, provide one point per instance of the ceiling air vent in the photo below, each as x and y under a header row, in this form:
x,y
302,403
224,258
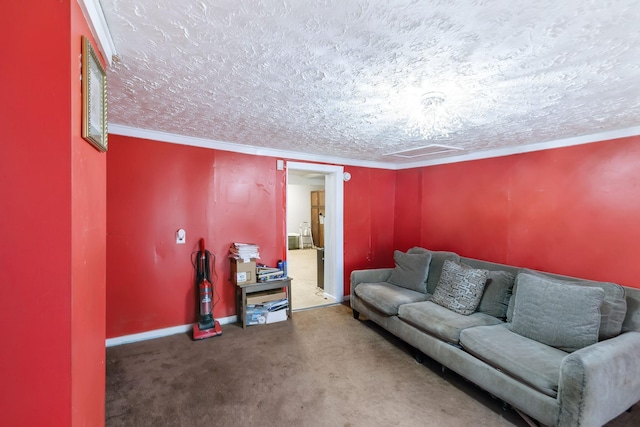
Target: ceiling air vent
x,y
427,150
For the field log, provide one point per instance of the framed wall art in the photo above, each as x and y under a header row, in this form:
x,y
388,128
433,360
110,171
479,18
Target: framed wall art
x,y
94,97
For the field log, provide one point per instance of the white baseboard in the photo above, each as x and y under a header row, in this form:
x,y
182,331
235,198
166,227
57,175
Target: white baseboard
x,y
158,333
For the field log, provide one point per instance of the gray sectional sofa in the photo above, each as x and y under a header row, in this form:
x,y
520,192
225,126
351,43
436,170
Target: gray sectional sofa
x,y
564,351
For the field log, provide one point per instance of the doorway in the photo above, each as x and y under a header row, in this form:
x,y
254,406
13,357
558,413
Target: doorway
x,y
315,234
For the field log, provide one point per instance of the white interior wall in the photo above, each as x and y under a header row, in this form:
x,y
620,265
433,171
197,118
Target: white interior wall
x,y
299,205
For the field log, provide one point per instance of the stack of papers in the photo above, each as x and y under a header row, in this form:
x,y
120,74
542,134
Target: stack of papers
x,y
277,305
244,251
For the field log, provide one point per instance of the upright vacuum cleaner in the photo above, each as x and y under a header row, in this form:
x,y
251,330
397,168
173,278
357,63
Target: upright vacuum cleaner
x,y
206,326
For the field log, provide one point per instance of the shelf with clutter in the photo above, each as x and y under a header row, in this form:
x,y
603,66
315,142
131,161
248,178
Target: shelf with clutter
x,y
263,293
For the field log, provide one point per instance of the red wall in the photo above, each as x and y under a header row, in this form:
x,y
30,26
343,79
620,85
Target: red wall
x,y
156,188
570,210
408,208
88,252
44,225
368,220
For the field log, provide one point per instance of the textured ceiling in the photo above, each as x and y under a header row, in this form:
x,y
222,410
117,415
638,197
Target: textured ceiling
x,y
358,79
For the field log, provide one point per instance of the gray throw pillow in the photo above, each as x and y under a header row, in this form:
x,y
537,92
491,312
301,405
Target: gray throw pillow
x,y
612,311
411,271
497,293
435,268
562,316
460,287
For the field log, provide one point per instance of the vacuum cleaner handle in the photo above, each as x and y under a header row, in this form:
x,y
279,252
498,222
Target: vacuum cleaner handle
x,y
202,247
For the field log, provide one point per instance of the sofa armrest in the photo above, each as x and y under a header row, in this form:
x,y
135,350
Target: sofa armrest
x,y
599,382
374,275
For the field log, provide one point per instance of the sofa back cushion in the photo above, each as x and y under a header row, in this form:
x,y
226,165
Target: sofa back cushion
x,y
411,271
559,315
614,306
435,268
460,287
497,294
632,318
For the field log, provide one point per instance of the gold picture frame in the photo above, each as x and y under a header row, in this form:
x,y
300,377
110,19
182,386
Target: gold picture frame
x,y
94,97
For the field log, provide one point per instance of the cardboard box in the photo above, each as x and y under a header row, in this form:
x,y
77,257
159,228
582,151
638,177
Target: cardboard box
x,y
259,298
276,316
294,240
243,272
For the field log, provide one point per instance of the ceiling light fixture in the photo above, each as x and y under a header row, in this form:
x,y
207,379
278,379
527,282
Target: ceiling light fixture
x,y
432,99
434,120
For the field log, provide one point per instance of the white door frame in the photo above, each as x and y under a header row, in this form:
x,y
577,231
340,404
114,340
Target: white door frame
x,y
333,224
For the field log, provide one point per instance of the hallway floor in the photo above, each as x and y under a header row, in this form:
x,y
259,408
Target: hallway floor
x,y
302,267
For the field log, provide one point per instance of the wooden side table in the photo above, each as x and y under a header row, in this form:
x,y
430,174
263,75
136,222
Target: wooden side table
x,y
243,290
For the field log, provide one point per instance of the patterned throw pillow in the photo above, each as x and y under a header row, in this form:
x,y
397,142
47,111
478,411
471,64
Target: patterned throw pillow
x,y
460,287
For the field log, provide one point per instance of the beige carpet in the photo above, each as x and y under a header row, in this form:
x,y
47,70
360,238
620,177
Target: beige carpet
x,y
302,267
322,368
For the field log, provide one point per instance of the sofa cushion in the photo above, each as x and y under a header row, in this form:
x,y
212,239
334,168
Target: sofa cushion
x,y
435,268
460,287
529,361
386,297
632,319
411,271
442,322
497,293
612,311
562,316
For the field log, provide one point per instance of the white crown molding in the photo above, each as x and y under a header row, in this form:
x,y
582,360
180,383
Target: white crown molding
x,y
94,15
123,130
527,148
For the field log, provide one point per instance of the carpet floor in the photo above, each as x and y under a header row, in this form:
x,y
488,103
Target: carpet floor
x,y
321,368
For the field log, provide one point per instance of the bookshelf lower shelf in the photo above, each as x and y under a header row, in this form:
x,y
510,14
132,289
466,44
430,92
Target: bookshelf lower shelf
x,y
243,290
